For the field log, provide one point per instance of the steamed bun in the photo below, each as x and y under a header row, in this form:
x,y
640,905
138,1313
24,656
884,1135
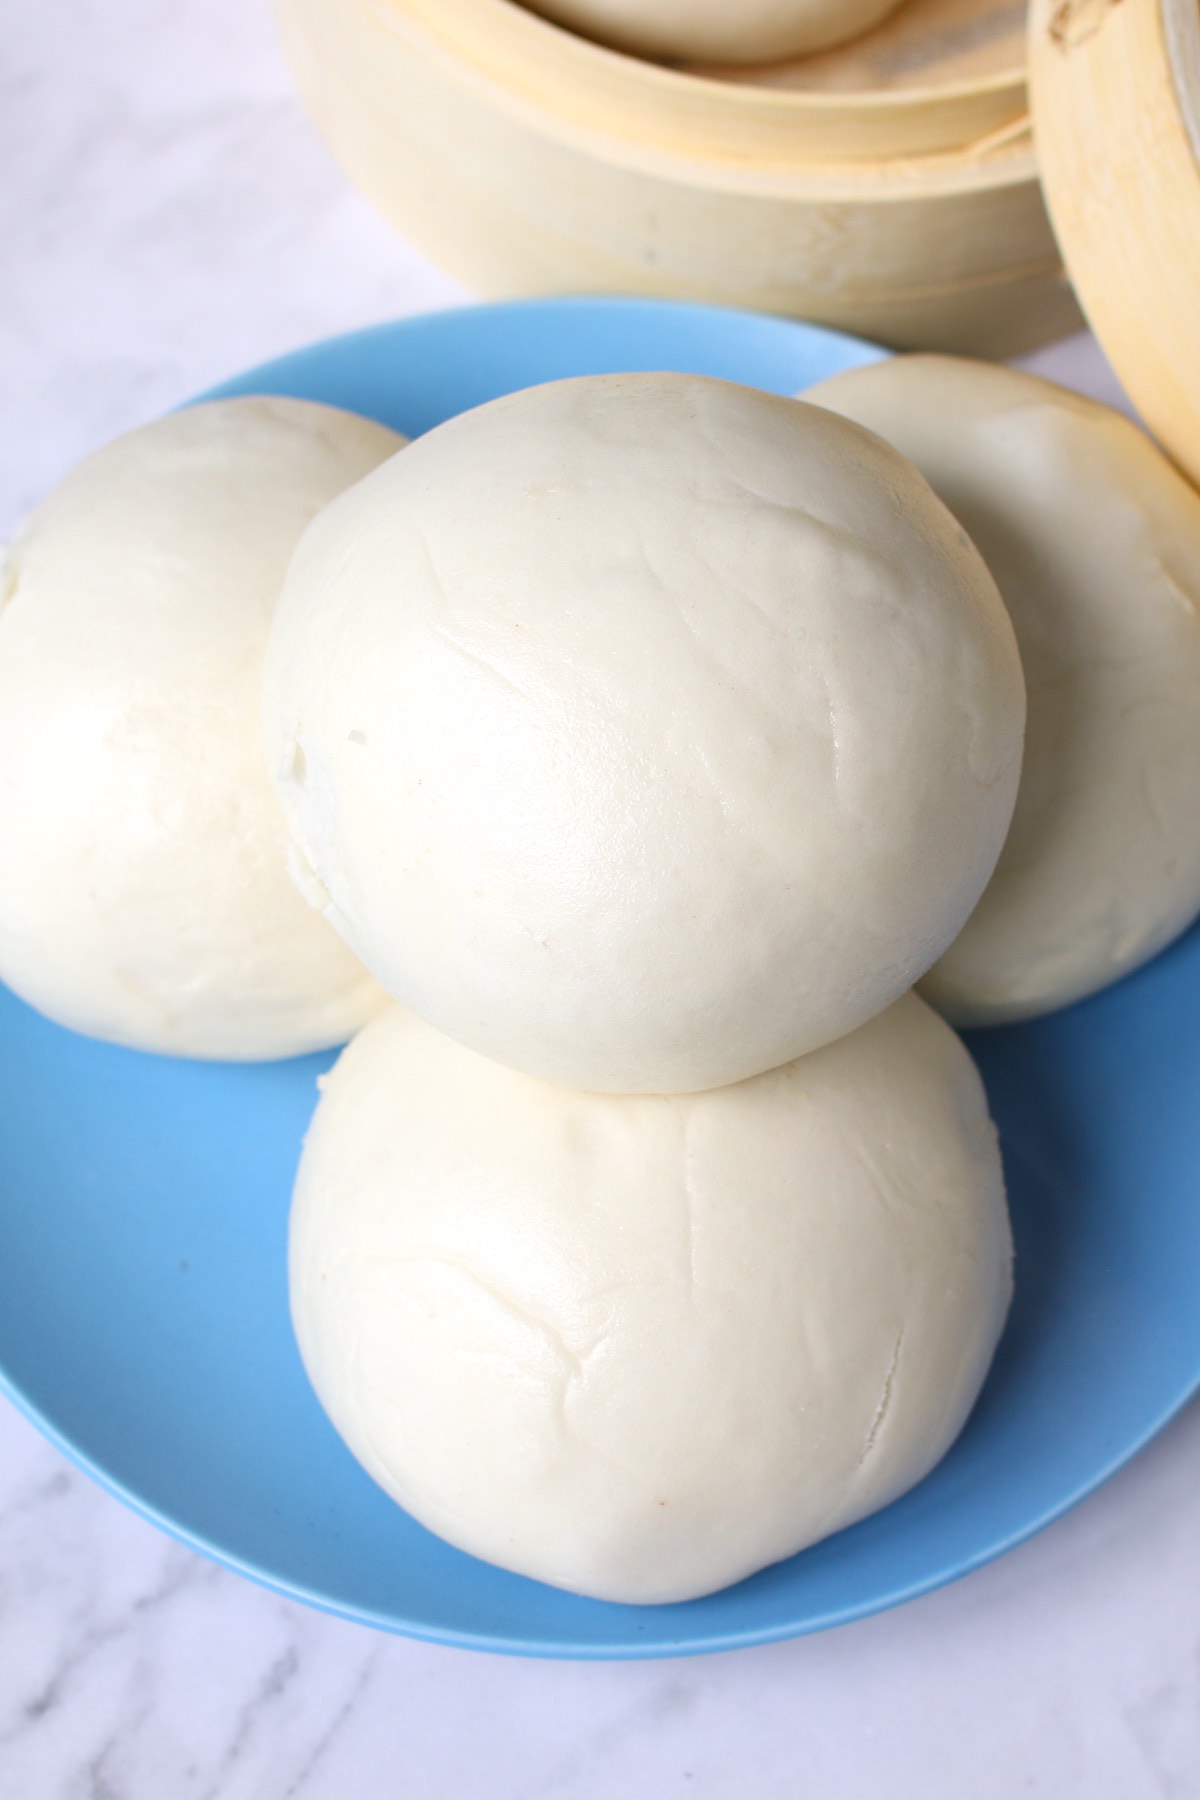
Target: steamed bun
x,y
145,896
641,1347
1094,540
644,731
716,31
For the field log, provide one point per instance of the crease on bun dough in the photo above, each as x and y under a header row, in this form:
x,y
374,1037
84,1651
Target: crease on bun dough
x,y
644,731
640,1347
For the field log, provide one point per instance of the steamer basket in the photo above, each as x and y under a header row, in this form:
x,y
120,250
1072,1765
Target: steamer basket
x,y
527,160
1116,91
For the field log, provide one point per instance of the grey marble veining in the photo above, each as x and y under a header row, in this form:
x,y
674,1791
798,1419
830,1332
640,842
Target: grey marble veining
x,y
130,1667
169,217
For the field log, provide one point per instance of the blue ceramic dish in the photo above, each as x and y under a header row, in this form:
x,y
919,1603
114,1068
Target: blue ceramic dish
x,y
143,1206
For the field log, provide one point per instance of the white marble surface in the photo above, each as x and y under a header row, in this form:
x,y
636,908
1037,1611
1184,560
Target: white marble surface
x,y
169,217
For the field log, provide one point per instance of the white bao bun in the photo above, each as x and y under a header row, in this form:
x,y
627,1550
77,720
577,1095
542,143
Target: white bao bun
x,y
718,31
640,1347
1094,540
145,896
645,731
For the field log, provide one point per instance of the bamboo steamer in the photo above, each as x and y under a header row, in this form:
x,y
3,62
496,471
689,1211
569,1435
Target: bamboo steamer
x,y
1116,87
888,188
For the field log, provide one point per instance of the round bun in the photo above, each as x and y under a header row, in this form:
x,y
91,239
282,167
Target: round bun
x,y
145,896
645,731
640,1347
1094,540
718,31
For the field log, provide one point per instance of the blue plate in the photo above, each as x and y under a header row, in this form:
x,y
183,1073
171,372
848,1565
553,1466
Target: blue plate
x,y
143,1302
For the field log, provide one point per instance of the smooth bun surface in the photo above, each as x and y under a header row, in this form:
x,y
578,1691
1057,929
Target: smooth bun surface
x,y
644,731
640,1347
718,31
1094,540
145,896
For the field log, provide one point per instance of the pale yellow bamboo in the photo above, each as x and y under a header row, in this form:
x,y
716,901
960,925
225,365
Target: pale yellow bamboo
x,y
1116,101
762,115
516,185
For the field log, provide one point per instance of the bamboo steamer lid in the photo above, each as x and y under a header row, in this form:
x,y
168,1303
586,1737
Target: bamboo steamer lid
x,y
1116,97
888,188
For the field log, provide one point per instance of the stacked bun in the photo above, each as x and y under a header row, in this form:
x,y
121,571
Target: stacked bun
x,y
649,737
635,745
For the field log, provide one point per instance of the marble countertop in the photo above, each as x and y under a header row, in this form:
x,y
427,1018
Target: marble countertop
x,y
171,217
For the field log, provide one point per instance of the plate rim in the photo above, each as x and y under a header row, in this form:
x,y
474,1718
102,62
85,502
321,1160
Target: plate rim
x,y
627,1648
550,1649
